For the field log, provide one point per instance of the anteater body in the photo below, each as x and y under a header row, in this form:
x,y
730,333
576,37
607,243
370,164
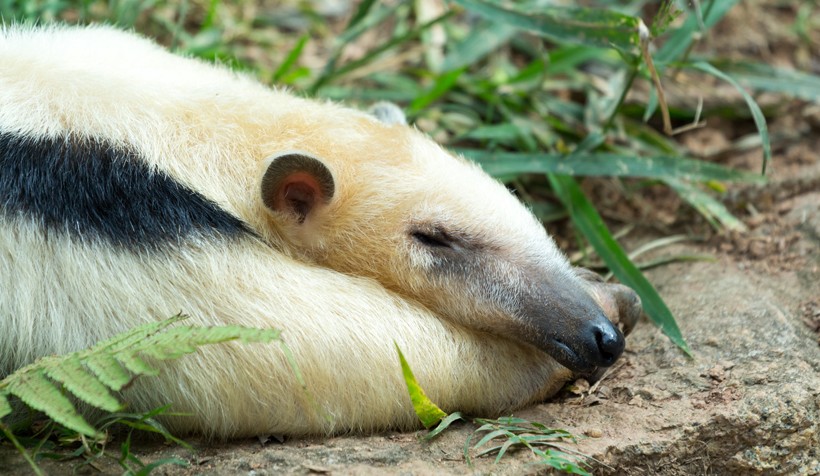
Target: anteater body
x,y
136,184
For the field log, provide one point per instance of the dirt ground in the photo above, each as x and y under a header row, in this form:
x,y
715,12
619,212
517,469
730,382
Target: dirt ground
x,y
749,400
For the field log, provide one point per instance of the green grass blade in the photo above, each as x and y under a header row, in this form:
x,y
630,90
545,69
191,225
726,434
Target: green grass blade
x,y
567,58
647,140
491,436
481,41
6,431
604,163
361,22
587,26
210,14
332,73
366,95
443,83
443,425
707,206
757,114
150,467
586,218
387,86
560,461
425,409
764,77
679,41
291,59
366,18
361,12
505,132
502,450
666,14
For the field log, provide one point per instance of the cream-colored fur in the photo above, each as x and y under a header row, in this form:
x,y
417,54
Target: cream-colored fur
x,y
343,286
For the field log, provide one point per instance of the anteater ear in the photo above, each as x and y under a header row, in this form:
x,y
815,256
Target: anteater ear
x,y
297,183
388,113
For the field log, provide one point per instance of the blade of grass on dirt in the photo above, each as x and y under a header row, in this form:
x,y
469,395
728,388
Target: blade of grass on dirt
x,y
361,12
604,163
368,95
757,114
591,225
393,87
764,77
587,26
708,207
443,83
679,41
481,41
567,58
363,20
332,73
291,59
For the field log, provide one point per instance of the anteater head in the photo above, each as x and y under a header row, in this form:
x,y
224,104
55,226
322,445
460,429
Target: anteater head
x,y
380,200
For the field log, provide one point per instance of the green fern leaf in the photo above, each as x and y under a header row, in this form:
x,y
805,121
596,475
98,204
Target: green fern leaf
x,y
176,342
5,408
37,391
108,370
111,364
179,341
77,380
131,361
130,339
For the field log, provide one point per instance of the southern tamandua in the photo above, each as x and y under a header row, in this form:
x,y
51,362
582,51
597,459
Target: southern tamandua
x,y
136,184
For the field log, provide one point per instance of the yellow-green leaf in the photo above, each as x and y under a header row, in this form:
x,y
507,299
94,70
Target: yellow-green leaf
x,y
425,409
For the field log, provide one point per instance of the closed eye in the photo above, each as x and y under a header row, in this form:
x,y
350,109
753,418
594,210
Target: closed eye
x,y
432,239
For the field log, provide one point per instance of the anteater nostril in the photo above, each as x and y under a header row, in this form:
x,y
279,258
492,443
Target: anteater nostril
x,y
610,343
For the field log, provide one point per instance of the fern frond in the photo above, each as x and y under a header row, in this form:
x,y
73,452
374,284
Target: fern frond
x,y
5,408
37,391
92,374
78,380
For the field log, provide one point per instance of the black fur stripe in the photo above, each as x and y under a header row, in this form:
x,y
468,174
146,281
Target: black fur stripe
x,y
91,190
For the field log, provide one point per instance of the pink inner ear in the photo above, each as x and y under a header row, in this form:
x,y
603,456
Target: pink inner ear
x,y
298,194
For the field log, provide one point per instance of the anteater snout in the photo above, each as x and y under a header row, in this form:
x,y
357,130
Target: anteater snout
x,y
609,342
